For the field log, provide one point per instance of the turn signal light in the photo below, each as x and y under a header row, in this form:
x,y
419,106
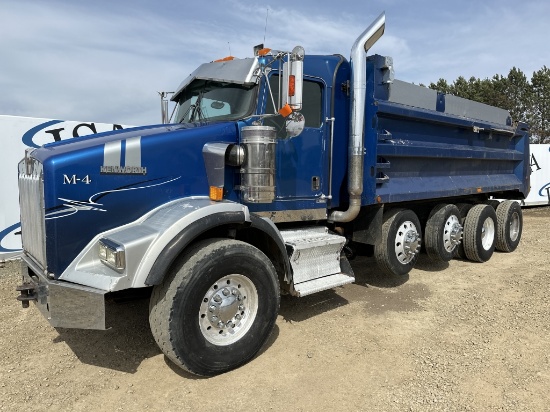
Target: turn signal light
x,y
216,193
285,110
291,85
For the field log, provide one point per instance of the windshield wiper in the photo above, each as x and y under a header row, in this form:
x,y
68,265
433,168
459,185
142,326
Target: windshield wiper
x,y
197,108
191,106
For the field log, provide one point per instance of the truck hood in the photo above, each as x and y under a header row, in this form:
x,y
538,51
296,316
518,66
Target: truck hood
x,y
95,183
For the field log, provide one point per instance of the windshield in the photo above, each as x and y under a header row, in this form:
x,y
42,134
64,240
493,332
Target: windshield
x,y
206,100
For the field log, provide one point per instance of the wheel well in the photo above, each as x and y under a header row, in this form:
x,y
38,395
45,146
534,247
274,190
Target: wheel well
x,y
251,235
269,247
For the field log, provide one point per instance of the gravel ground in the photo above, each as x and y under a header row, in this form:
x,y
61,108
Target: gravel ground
x,y
460,336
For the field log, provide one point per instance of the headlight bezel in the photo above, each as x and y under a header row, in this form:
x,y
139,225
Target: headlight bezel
x,y
112,254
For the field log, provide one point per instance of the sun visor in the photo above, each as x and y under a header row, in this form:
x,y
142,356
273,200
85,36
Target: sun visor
x,y
239,71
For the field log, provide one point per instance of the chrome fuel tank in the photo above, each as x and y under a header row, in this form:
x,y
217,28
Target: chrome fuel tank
x,y
258,169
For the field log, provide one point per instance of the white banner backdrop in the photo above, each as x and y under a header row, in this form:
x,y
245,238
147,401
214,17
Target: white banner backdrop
x,y
17,134
540,175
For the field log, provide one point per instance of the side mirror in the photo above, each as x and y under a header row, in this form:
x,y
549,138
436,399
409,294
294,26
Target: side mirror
x,y
293,78
294,124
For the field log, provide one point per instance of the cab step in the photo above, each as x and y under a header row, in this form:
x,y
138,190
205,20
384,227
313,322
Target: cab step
x,y
315,258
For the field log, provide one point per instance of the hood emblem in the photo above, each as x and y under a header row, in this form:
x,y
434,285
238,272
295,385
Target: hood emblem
x,y
127,151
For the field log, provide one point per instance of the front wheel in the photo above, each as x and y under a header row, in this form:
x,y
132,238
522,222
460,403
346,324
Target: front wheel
x,y
216,308
397,251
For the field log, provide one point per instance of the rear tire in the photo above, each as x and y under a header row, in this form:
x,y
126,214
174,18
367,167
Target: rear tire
x,y
216,308
480,233
509,226
493,203
443,232
397,251
463,209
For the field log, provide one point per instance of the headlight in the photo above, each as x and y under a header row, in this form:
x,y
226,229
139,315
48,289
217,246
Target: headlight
x,y
112,254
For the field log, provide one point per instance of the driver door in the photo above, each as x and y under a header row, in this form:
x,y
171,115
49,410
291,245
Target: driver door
x,y
300,160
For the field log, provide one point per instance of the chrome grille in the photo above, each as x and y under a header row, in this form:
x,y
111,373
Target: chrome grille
x,y
31,203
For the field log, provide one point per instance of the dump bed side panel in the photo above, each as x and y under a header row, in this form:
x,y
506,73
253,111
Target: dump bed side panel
x,y
422,144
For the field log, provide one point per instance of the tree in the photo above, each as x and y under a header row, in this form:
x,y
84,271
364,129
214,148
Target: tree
x,y
496,92
527,102
441,86
520,96
540,126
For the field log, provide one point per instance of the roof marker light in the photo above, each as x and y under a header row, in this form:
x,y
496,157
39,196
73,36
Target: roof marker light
x,y
225,59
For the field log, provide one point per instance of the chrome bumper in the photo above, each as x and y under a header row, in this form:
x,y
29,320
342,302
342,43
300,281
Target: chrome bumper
x,y
64,304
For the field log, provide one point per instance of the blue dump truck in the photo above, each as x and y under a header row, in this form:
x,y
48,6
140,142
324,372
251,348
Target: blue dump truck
x,y
272,169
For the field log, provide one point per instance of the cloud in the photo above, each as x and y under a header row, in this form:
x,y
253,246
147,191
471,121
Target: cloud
x,y
476,40
104,61
80,63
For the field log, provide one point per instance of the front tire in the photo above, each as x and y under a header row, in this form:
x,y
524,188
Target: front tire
x,y
397,251
216,308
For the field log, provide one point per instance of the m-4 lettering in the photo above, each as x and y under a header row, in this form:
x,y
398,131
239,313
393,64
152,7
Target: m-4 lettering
x,y
74,179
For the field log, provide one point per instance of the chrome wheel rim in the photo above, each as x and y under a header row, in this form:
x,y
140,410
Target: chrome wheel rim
x,y
407,242
228,310
452,233
514,226
487,233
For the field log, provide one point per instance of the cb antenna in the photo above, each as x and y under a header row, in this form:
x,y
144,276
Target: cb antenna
x,y
266,16
229,45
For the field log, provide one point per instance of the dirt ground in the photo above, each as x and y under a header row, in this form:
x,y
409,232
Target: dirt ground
x,y
460,336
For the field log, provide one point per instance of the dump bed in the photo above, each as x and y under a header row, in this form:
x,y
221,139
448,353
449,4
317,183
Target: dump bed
x,y
422,144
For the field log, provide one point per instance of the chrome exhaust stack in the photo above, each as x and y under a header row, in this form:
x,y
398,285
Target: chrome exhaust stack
x,y
356,148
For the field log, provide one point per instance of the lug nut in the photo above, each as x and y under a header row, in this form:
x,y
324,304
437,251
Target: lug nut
x,y
234,291
214,318
220,324
212,308
225,292
217,298
230,324
241,307
238,316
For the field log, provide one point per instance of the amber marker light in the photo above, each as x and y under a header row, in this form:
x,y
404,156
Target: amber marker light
x,y
216,193
263,52
285,110
291,85
225,59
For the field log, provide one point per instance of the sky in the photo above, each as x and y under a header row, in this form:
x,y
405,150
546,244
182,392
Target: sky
x,y
105,61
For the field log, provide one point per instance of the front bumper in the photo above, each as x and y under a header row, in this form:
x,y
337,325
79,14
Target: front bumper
x,y
64,304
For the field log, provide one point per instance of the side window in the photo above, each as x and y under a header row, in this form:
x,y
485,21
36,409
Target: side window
x,y
312,107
